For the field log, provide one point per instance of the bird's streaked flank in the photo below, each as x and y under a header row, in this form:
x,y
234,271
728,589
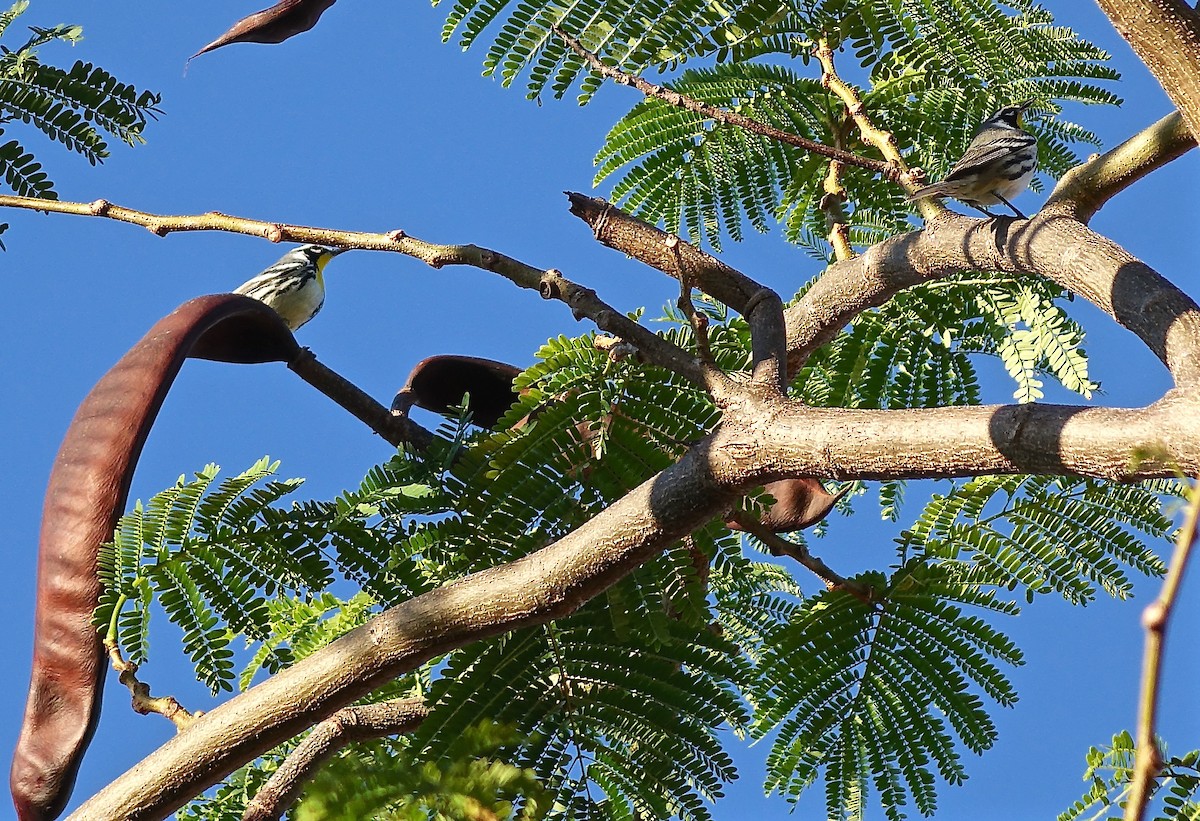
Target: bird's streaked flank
x,y
997,165
295,285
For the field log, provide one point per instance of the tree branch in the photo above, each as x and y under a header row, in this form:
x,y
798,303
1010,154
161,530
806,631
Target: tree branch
x,y
1122,444
780,546
393,428
1148,762
1165,35
720,115
1049,245
1085,189
582,301
140,699
685,262
358,723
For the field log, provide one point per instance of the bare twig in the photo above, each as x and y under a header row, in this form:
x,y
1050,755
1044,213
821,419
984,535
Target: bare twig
x,y
394,429
720,115
1148,762
1085,189
685,262
358,723
582,301
780,546
698,321
141,700
882,140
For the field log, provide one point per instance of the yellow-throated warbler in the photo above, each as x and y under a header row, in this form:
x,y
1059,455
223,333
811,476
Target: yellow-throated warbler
x,y
295,285
997,165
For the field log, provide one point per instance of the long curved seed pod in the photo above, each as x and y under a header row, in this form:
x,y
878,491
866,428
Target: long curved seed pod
x,y
86,494
285,19
438,383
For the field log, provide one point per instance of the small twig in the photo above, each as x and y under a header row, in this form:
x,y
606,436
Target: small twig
x,y
654,348
1148,762
833,205
359,723
883,141
780,546
698,321
720,115
141,700
582,301
394,429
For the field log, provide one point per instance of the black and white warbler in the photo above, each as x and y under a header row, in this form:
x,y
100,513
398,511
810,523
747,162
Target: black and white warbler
x,y
997,165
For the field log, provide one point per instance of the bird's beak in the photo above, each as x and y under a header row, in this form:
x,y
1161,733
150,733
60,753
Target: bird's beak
x,y
1025,105
333,252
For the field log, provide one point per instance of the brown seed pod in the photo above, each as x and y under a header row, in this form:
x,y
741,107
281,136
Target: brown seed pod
x,y
285,19
87,492
799,504
438,383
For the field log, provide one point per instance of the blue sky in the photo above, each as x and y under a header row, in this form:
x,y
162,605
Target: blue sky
x,y
369,122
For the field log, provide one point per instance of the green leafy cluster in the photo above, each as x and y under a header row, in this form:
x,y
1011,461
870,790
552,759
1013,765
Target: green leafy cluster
x,y
929,72
471,781
624,708
1109,773
880,695
73,107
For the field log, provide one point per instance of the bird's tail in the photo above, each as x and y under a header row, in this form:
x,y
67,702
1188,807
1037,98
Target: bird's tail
x,y
938,189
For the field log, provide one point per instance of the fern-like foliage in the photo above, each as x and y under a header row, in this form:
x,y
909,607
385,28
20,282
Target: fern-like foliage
x,y
73,107
880,695
1044,534
192,547
1110,771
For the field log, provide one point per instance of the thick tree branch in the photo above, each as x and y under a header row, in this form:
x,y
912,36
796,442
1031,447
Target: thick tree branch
x,y
1148,762
548,584
720,115
358,723
1085,189
1165,34
1048,245
550,284
939,443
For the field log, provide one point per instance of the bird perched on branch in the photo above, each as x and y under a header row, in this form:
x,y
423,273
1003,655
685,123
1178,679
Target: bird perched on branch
x,y
295,285
997,165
